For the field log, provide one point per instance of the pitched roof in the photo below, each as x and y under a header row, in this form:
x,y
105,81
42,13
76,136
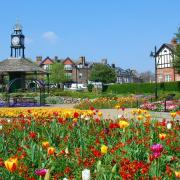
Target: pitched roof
x,y
46,59
169,46
68,59
19,65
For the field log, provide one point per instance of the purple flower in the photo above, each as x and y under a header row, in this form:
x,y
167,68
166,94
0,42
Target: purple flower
x,y
157,148
106,130
41,172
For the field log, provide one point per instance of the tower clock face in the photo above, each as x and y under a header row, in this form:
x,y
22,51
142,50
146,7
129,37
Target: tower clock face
x,y
15,41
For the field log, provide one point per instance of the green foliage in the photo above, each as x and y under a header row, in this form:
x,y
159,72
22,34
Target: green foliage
x,y
53,100
102,73
128,153
74,94
90,87
176,62
142,87
57,73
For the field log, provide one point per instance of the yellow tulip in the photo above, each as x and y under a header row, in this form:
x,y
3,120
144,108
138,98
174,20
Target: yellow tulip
x,y
173,114
99,113
123,124
104,149
140,117
11,164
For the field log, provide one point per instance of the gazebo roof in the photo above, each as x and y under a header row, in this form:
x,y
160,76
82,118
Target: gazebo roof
x,y
20,65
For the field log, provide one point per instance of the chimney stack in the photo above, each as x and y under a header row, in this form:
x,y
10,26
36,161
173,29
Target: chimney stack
x,y
82,60
174,41
56,58
113,66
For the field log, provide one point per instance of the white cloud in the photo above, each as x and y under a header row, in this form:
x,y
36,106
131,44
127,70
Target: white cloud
x,y
50,36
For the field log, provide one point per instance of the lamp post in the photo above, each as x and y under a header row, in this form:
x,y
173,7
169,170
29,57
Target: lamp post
x,y
153,55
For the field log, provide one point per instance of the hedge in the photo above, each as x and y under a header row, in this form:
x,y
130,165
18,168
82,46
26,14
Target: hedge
x,y
141,87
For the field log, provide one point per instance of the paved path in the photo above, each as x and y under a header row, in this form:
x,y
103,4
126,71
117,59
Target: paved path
x,y
114,113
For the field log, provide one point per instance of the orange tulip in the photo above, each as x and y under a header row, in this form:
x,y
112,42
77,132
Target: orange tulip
x,y
177,174
11,164
162,136
45,144
51,150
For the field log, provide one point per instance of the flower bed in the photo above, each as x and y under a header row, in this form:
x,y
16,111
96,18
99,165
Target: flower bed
x,y
53,143
160,106
108,103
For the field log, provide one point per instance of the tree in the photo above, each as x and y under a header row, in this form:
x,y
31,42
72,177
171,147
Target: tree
x,y
176,62
57,73
102,73
147,76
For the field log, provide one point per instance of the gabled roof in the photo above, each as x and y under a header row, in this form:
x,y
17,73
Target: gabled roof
x,y
169,46
19,65
46,59
68,59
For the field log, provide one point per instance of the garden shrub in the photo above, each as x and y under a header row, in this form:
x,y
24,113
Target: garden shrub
x,y
142,87
90,87
53,100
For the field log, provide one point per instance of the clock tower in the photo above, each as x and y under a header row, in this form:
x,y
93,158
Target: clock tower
x,y
17,42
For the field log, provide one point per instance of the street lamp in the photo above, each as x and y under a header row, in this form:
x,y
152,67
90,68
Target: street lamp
x,y
153,55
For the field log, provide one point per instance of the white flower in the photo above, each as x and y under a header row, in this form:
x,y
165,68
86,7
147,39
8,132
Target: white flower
x,y
67,151
8,120
86,174
119,116
169,125
65,179
1,127
87,118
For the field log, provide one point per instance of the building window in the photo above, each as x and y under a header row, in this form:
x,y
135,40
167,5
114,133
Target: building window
x,y
69,75
167,78
80,66
160,78
68,67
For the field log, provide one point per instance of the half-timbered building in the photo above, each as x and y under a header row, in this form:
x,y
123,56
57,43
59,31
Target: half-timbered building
x,y
164,59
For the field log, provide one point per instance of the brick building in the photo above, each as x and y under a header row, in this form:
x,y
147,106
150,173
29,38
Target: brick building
x,y
77,71
165,69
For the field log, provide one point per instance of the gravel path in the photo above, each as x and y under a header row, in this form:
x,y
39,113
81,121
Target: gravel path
x,y
114,113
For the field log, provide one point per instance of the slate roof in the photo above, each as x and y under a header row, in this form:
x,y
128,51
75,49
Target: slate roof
x,y
169,46
20,65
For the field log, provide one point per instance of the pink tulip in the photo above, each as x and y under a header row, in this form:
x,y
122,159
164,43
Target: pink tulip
x,y
41,172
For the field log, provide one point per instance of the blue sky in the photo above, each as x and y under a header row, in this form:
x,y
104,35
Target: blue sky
x,y
123,31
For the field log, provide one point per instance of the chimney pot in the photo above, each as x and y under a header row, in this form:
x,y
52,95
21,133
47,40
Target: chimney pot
x,y
174,41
